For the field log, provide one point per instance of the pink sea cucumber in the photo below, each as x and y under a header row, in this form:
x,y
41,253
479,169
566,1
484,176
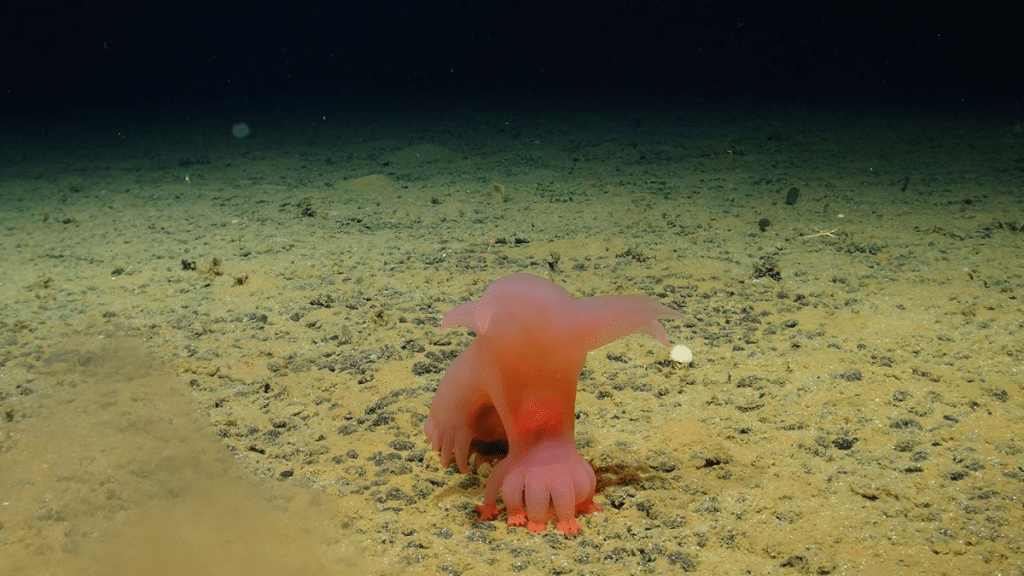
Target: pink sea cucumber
x,y
517,381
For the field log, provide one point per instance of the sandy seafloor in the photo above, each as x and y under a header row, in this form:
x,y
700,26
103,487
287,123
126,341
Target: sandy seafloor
x,y
855,405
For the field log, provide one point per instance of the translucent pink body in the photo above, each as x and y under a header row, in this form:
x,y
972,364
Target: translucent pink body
x,y
517,381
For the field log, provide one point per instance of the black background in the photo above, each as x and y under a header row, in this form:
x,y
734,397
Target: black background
x,y
113,54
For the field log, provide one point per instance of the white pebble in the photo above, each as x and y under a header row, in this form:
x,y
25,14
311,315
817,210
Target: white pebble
x,y
682,354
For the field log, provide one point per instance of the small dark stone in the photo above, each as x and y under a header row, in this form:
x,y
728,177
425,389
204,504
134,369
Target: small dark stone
x,y
1001,395
422,368
974,465
397,495
287,473
445,568
792,195
478,535
767,268
844,443
401,445
394,469
851,375
763,224
685,562
790,323
905,424
957,475
257,317
381,420
796,561
617,554
380,459
617,358
416,455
